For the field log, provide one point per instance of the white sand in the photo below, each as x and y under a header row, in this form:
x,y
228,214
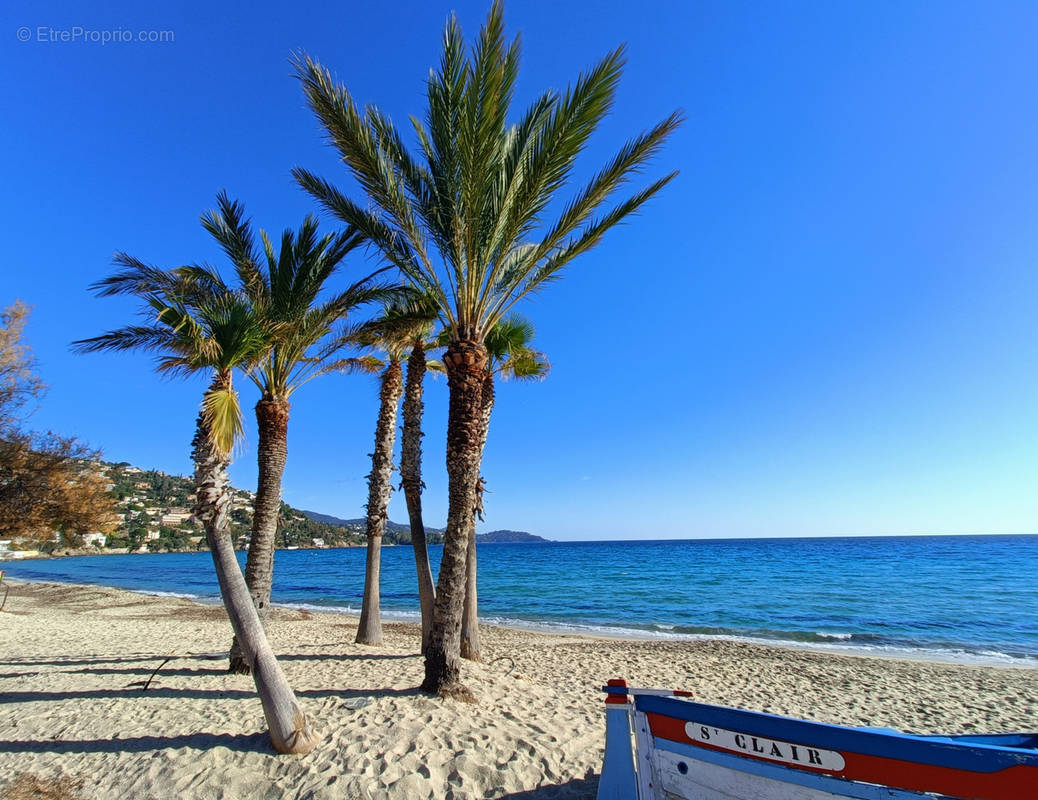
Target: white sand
x,y
72,661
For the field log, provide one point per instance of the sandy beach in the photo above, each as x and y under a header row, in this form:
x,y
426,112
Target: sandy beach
x,y
74,661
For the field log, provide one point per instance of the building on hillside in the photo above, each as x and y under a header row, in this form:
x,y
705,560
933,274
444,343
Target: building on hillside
x,y
95,538
175,516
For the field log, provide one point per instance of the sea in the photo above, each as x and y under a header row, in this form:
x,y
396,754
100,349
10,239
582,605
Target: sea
x,y
969,599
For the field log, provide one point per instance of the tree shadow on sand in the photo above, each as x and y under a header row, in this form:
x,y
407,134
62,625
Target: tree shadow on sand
x,y
88,661
576,789
344,656
251,743
192,694
99,659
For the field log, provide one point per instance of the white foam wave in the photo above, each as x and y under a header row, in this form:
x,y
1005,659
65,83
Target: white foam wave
x,y
320,608
183,595
955,656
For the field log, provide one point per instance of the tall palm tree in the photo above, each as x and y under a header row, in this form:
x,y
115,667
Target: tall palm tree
x,y
393,334
509,356
194,330
481,193
283,287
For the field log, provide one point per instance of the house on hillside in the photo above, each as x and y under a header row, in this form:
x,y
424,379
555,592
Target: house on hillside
x,y
175,516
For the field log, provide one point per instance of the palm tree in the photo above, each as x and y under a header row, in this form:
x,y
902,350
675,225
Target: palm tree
x,y
481,194
509,356
194,329
393,333
283,288
411,470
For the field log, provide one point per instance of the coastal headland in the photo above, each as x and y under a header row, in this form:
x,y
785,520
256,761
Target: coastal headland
x,y
127,695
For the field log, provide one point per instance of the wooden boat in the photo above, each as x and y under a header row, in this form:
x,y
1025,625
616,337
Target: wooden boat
x,y
660,745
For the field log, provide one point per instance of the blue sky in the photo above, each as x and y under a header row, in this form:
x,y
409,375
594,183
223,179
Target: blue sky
x,y
824,326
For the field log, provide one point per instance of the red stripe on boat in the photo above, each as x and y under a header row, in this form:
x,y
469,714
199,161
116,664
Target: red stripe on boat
x,y
616,699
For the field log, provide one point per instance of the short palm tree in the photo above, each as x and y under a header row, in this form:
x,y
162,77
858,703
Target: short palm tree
x,y
510,356
284,288
393,334
482,194
193,329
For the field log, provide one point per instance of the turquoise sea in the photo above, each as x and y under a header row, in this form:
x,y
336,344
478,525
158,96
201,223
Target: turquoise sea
x,y
955,598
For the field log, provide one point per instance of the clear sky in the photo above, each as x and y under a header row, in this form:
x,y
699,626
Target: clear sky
x,y
825,326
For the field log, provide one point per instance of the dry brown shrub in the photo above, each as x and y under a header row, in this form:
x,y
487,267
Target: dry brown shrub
x,y
26,786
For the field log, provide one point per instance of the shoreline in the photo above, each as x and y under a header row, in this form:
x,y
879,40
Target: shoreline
x,y
957,657
74,659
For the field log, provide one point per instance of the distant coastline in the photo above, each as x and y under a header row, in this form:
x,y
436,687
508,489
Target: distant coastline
x,y
491,537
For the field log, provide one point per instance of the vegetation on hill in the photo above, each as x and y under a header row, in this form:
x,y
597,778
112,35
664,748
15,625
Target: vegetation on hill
x,y
150,502
152,514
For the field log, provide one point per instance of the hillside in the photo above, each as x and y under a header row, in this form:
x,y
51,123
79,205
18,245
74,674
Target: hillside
x,y
155,511
401,534
395,532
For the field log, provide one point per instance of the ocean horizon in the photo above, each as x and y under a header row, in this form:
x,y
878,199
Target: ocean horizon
x,y
956,598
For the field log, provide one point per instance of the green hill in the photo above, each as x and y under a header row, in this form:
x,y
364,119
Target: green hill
x,y
156,515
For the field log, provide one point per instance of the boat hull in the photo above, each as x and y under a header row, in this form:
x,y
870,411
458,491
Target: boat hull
x,y
684,750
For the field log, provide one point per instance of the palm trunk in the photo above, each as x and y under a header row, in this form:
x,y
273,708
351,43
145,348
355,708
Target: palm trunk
x,y
411,481
272,453
470,613
290,732
369,629
465,362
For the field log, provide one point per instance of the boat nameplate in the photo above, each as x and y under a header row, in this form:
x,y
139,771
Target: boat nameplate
x,y
795,755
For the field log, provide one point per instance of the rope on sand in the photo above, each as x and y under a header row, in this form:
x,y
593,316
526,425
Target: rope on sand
x,y
504,658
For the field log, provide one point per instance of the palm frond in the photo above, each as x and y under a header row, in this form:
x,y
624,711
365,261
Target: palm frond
x,y
365,365
525,365
132,337
222,412
233,232
134,277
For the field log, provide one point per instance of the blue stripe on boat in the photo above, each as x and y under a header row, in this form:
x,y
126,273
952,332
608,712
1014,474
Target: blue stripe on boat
x,y
940,752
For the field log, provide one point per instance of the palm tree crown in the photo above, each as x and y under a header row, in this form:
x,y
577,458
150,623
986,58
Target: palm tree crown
x,y
283,287
481,190
190,331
